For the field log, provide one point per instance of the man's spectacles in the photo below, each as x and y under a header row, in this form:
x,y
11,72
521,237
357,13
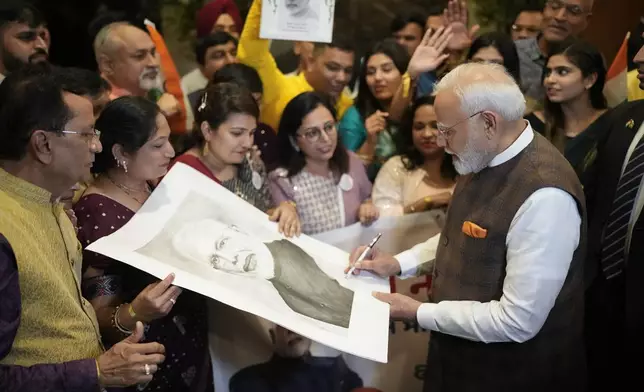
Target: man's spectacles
x,y
314,134
572,9
447,132
94,133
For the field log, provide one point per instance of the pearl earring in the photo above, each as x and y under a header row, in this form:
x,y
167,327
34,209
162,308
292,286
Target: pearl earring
x,y
125,166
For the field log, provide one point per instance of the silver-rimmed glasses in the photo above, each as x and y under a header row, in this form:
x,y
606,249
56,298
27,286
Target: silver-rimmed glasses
x,y
314,134
447,132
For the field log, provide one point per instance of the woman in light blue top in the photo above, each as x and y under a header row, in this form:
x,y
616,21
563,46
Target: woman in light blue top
x,y
365,127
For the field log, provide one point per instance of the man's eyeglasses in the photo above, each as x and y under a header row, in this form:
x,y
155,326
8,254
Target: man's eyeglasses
x,y
447,132
572,9
92,135
314,134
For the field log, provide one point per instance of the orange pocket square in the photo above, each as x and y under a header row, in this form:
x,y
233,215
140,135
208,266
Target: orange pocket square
x,y
473,230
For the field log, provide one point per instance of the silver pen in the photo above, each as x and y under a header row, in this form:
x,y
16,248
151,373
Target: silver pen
x,y
363,254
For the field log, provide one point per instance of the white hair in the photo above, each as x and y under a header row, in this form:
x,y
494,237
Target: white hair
x,y
484,86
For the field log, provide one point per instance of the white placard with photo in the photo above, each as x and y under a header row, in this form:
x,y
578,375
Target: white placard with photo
x,y
220,246
297,20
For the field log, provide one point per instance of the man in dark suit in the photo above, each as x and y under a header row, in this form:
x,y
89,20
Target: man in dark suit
x,y
615,268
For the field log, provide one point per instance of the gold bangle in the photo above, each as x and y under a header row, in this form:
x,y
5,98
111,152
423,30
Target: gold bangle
x,y
291,202
98,369
131,311
407,82
427,199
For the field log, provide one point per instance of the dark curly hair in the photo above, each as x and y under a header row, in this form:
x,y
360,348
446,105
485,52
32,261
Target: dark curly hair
x,y
411,157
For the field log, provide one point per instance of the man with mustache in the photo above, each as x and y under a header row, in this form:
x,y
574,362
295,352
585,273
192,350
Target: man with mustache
x,y
24,38
506,311
303,286
614,269
300,9
128,60
561,20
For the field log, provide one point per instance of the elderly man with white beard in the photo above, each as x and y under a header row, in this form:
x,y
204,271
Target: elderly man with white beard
x,y
506,307
128,60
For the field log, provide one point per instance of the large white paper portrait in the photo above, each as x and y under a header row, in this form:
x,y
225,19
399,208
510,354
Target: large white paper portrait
x,y
224,248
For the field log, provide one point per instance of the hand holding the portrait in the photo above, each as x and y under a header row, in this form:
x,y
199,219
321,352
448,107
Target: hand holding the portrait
x,y
288,222
368,213
401,307
156,300
130,362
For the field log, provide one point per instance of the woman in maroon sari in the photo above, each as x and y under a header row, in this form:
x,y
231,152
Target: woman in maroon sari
x,y
135,152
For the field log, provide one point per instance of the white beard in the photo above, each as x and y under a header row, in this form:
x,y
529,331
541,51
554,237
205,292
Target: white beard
x,y
471,160
148,84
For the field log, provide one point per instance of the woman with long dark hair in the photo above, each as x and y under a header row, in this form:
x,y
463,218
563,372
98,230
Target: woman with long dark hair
x,y
422,177
365,127
575,105
327,184
222,149
136,152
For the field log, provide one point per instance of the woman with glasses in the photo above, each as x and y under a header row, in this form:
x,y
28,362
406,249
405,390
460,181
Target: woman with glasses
x,y
327,184
136,152
222,149
422,177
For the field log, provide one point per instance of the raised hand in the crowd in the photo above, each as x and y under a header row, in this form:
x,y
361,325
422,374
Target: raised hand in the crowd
x,y
376,123
288,223
368,213
455,16
130,362
430,53
377,261
156,300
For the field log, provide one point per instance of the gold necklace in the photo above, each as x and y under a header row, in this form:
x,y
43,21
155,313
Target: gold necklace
x,y
129,191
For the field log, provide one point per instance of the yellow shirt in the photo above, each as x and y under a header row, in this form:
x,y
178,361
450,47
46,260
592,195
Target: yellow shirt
x,y
279,89
633,86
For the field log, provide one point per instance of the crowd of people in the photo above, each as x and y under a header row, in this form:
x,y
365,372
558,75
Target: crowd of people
x,y
535,274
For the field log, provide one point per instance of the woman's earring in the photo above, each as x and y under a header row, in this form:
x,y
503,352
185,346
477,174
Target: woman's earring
x,y
294,144
125,166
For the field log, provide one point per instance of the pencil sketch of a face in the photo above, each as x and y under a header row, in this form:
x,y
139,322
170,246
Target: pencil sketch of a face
x,y
303,286
300,9
230,250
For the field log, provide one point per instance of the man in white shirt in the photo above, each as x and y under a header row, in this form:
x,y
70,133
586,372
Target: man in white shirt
x,y
507,289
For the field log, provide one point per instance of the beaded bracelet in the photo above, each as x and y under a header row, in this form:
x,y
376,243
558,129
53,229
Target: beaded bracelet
x,y
116,324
